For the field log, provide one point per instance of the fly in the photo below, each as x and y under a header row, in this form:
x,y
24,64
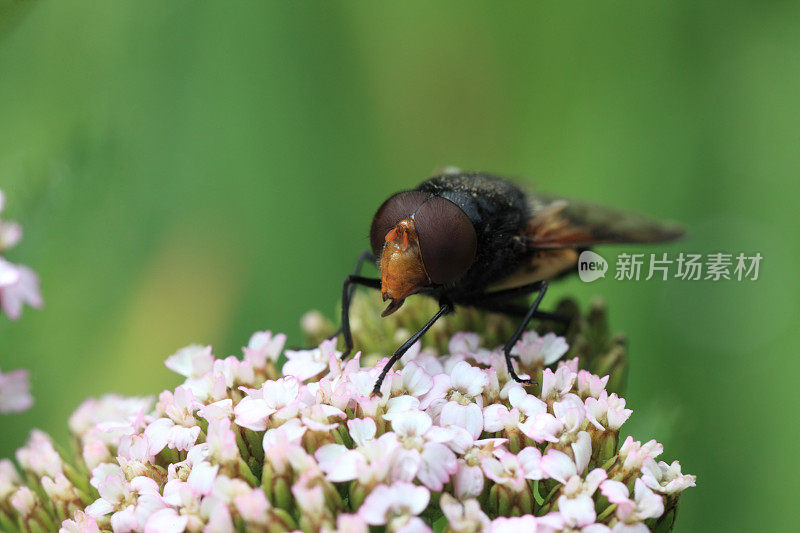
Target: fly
x,y
477,240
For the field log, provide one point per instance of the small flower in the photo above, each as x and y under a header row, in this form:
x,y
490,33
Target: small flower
x,y
39,456
467,345
534,350
607,411
80,523
14,392
110,417
309,495
217,410
421,456
455,399
396,507
183,469
136,456
305,364
369,463
505,469
575,503
166,520
24,501
10,234
233,373
253,506
276,399
464,517
262,347
179,406
195,498
516,524
59,489
665,478
193,362
129,503
221,441
9,478
646,504
557,384
19,286
321,418
164,433
348,523
469,479
415,381
633,453
590,385
279,444
498,417
542,427
95,452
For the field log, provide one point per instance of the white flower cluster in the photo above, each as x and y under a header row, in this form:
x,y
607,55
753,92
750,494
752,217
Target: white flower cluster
x,y
241,447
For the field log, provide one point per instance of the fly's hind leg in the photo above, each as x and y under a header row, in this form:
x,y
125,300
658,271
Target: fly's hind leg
x,y
541,286
501,302
517,334
347,292
444,308
519,311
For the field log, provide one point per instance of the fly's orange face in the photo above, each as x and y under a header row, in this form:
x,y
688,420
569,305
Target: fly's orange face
x,y
402,270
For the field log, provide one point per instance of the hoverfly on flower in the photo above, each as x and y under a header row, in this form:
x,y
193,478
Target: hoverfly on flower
x,y
477,240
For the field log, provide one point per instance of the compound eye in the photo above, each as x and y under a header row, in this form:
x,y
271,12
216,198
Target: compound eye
x,y
447,240
392,211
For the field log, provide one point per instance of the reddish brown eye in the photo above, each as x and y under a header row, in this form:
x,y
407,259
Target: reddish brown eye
x,y
447,240
393,210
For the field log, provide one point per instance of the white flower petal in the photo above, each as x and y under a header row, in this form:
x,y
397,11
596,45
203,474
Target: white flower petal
x,y
578,511
469,417
166,521
530,458
558,466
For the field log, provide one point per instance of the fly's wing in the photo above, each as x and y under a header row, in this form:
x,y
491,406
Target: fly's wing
x,y
558,228
561,223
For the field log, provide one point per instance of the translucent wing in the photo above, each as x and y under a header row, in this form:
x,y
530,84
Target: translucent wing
x,y
562,223
558,228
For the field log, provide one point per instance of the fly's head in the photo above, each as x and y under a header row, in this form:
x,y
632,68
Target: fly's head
x,y
420,241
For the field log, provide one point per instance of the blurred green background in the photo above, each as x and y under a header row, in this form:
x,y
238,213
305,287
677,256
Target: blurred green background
x,y
195,171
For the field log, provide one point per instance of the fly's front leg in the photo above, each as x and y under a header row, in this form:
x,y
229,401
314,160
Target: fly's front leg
x,y
347,293
366,256
445,307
